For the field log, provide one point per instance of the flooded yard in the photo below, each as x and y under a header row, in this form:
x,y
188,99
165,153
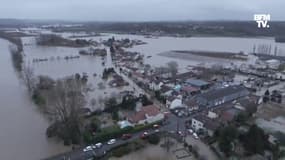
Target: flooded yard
x,y
148,153
156,152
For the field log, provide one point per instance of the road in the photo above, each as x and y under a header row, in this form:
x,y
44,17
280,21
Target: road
x,y
172,123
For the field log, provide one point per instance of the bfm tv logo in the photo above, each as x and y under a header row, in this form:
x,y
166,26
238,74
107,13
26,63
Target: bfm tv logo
x,y
262,20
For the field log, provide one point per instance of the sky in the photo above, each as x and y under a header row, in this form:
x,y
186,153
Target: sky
x,y
140,10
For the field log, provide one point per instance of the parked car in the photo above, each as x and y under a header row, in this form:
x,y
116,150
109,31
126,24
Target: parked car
x,y
144,135
195,136
98,145
111,141
190,131
157,130
87,148
156,126
126,136
180,133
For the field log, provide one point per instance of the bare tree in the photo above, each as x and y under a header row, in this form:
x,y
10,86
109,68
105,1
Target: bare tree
x,y
161,70
29,78
93,103
64,103
173,68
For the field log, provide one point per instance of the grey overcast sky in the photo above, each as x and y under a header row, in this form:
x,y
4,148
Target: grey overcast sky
x,y
141,10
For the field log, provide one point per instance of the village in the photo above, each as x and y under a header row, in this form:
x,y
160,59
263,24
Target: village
x,y
211,111
219,110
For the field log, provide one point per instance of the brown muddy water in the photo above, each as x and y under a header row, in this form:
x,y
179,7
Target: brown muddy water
x,y
22,126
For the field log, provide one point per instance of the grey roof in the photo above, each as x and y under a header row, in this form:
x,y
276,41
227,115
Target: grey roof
x,y
212,125
197,82
201,118
222,92
209,123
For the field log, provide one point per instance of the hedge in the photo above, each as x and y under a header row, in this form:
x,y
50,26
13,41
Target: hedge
x,y
116,132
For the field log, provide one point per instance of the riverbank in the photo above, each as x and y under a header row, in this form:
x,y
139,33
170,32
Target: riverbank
x,y
12,39
220,55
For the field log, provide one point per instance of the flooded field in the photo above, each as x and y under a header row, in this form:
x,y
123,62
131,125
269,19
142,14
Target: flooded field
x,y
155,46
23,125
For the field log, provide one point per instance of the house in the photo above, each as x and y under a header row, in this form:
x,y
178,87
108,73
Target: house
x,y
229,115
155,85
184,76
222,95
247,104
188,90
273,63
176,103
177,87
124,124
169,100
198,83
165,90
205,124
212,115
147,114
191,104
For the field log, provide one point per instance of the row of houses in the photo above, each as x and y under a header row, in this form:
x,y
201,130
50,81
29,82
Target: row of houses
x,y
220,96
210,120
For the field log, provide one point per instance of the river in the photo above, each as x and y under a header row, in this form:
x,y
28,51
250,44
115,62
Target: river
x,y
22,127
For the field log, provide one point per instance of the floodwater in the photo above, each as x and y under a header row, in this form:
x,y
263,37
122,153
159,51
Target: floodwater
x,y
58,67
155,46
22,127
148,153
22,132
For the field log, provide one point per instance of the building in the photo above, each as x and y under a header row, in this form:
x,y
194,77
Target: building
x,y
124,124
205,124
197,83
229,115
147,114
222,95
273,63
155,85
176,103
189,90
190,104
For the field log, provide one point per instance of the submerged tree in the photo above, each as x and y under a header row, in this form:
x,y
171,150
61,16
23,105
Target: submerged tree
x,y
173,68
29,78
17,57
64,103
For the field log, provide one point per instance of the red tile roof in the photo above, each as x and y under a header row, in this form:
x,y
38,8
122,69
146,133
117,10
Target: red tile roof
x,y
150,110
189,89
138,116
